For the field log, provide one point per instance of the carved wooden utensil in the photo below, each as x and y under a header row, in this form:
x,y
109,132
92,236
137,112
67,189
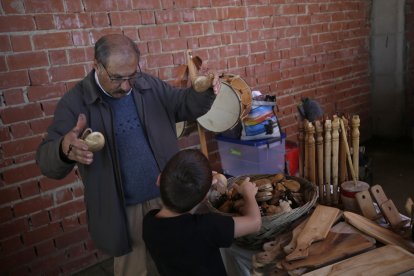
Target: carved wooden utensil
x,y
316,228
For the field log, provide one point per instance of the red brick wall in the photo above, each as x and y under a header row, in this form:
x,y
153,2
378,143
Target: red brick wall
x,y
294,49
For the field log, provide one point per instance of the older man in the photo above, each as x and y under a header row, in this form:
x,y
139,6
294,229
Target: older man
x,y
136,113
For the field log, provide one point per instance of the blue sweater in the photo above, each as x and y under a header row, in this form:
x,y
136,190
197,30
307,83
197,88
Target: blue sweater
x,y
139,169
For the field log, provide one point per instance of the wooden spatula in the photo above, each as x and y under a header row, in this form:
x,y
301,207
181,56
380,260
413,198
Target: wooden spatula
x,y
316,228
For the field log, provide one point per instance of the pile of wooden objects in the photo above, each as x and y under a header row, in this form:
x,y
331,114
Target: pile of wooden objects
x,y
324,244
323,155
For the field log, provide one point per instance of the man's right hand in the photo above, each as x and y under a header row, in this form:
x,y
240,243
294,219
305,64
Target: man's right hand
x,y
75,148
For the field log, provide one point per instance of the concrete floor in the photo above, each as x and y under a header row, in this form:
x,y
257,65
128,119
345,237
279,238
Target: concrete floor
x,y
392,167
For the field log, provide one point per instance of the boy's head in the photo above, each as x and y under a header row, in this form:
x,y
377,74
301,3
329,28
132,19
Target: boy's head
x,y
185,180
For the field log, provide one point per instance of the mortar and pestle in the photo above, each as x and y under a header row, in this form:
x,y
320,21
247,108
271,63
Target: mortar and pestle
x,y
350,188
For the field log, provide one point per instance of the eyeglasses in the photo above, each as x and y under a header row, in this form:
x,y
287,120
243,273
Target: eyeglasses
x,y
119,80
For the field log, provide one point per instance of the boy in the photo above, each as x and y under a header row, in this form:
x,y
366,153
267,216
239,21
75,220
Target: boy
x,y
182,243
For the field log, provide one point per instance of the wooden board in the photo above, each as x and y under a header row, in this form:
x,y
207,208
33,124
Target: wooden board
x,y
316,228
374,230
290,247
378,194
335,247
391,214
385,261
366,204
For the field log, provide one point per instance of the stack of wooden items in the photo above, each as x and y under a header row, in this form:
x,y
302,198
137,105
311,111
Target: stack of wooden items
x,y
361,229
323,244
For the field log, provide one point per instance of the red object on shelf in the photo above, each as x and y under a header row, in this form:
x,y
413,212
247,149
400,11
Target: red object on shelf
x,y
292,157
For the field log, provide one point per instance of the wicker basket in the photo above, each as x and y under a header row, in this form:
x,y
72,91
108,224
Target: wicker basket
x,y
274,224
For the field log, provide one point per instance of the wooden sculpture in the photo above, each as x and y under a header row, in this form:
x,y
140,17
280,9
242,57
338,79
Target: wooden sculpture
x,y
355,144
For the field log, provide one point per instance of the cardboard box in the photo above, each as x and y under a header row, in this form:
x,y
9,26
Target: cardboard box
x,y
264,156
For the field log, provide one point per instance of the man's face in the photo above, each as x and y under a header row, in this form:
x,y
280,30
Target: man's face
x,y
118,76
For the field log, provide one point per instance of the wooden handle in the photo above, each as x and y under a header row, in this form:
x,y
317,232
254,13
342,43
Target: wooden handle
x,y
203,140
319,146
312,163
301,139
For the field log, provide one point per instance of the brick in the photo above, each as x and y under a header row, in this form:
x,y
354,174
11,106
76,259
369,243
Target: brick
x,y
45,248
29,189
27,60
146,5
70,223
104,19
69,72
12,244
13,97
73,6
28,157
16,259
159,61
47,184
83,220
5,45
80,38
21,43
52,40
173,44
44,22
40,6
19,130
23,172
167,16
63,196
150,33
66,210
3,65
14,79
16,23
71,237
42,234
12,6
125,18
147,17
77,55
33,205
96,6
6,214
20,113
49,107
8,195
39,219
39,76
46,92
72,21
40,126
47,266
58,57
124,5
13,228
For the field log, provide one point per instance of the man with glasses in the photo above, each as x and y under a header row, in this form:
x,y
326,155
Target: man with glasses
x,y
136,113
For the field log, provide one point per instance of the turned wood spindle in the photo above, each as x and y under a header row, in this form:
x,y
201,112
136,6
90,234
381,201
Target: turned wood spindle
x,y
312,163
306,159
319,150
301,148
335,153
327,151
343,169
355,144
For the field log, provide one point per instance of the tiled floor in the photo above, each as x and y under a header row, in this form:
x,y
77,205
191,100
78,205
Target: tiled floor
x,y
392,167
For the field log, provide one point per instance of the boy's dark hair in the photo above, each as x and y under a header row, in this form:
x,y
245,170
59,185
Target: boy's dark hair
x,y
185,180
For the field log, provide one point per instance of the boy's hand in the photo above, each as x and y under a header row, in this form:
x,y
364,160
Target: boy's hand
x,y
247,189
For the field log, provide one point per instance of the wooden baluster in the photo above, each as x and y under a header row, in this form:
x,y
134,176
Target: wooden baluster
x,y
312,163
327,151
301,149
306,160
319,149
335,153
355,144
343,169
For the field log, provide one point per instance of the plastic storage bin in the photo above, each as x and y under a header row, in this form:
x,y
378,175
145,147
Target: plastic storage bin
x,y
264,156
